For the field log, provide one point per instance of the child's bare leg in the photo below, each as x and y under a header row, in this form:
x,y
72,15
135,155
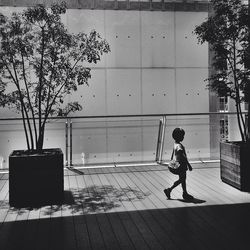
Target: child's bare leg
x,y
185,195
182,181
183,177
168,190
176,183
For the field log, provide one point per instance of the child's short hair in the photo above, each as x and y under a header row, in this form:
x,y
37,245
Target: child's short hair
x,y
178,134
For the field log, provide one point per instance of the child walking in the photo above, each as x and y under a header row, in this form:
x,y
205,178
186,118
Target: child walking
x,y
181,156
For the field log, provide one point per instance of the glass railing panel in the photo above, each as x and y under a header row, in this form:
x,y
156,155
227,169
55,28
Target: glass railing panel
x,y
150,131
233,129
203,134
12,137
124,140
54,136
89,141
113,140
197,136
215,136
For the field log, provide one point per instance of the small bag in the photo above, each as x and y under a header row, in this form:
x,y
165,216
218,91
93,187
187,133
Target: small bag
x,y
173,165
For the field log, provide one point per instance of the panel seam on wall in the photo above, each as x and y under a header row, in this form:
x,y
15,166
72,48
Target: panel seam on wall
x,y
106,87
175,74
141,90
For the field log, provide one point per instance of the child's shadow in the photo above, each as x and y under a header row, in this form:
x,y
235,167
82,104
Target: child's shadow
x,y
194,200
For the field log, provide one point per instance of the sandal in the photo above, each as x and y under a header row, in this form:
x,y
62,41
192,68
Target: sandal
x,y
167,192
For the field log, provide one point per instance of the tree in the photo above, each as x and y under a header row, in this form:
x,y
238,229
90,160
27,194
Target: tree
x,y
227,31
43,63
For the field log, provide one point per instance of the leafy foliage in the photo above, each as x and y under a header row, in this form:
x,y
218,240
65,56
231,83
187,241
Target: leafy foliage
x,y
41,63
227,32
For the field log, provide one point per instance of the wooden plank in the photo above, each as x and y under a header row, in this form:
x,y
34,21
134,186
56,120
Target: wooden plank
x,y
55,238
81,228
7,228
178,220
200,191
118,227
131,228
4,206
2,182
158,185
142,200
177,192
4,190
223,239
155,197
43,229
108,234
18,230
95,235
212,236
225,193
166,222
31,231
7,216
159,232
67,223
132,217
140,203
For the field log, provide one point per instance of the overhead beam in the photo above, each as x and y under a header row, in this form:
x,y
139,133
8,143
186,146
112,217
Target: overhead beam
x,y
184,5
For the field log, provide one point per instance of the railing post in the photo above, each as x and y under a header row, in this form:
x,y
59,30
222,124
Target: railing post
x,y
162,137
66,141
160,141
70,143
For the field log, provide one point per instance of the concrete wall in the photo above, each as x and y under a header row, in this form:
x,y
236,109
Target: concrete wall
x,y
155,66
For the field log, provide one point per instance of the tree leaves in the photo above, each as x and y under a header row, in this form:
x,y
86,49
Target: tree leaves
x,y
44,61
227,32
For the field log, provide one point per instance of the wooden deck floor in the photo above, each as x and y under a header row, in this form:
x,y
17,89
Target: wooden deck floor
x,y
125,208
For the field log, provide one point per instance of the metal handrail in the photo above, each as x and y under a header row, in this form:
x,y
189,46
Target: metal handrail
x,y
123,116
161,132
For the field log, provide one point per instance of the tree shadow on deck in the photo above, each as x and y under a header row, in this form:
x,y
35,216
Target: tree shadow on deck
x,y
103,198
93,199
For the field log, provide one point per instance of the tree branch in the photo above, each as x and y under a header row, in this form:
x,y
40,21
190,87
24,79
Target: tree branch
x,y
40,90
58,92
22,108
28,97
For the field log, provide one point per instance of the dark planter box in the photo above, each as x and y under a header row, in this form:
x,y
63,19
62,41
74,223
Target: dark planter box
x,y
36,179
235,164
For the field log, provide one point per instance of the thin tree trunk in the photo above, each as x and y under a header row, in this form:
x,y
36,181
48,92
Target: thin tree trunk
x,y
40,91
239,122
28,96
24,108
248,113
25,129
41,139
248,122
238,107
